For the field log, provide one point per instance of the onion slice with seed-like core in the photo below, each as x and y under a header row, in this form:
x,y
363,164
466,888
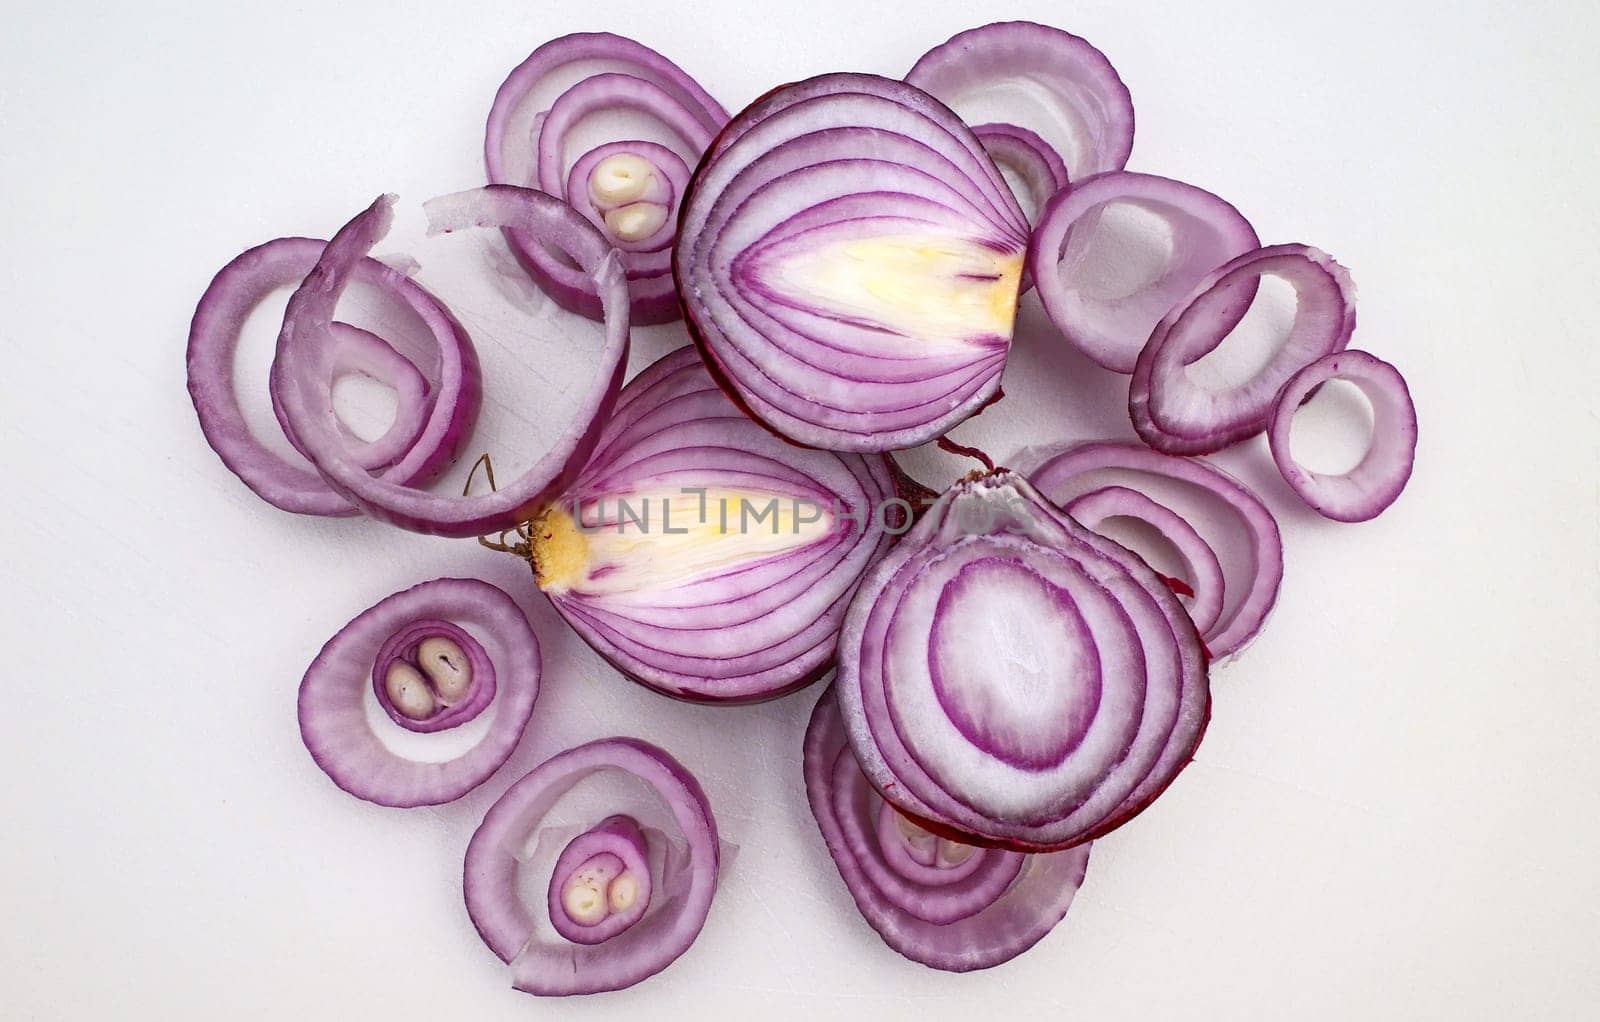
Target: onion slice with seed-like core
x,y
1365,491
435,413
1244,535
1055,84
1007,675
528,147
1037,166
1174,413
983,911
601,883
452,667
332,710
702,555
849,260
308,411
506,923
1206,232
1204,578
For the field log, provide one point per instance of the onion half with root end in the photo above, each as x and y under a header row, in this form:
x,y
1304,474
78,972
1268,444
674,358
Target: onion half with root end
x,y
1366,490
434,413
646,940
339,733
629,189
300,364
1011,677
948,905
849,260
703,556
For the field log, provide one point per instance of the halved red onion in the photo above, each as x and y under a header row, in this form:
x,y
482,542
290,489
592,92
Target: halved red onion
x,y
1231,520
601,883
302,352
978,912
339,732
1177,415
1204,579
702,555
666,930
1007,675
849,259
435,409
1037,166
1051,81
1367,490
629,189
1206,232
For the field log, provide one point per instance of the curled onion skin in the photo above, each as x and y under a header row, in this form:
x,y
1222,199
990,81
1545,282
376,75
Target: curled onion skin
x,y
848,262
332,712
641,950
1010,904
308,411
1065,473
1174,414
529,151
1073,77
1368,489
699,601
1207,232
1008,676
434,417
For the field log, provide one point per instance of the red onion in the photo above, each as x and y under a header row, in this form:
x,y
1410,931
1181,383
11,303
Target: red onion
x,y
1177,415
700,554
629,189
849,259
498,691
636,951
1366,490
1037,166
435,410
1206,232
1054,83
307,410
1231,520
947,905
601,883
1007,675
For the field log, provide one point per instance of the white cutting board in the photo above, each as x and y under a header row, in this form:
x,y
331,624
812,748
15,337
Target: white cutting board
x,y
1393,815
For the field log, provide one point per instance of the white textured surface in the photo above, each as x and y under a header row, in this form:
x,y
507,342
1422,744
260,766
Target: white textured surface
x,y
1393,815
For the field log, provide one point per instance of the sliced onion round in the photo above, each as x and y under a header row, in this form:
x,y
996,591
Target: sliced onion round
x,y
1367,490
987,910
1037,166
339,733
628,189
636,952
601,884
1232,521
702,555
1052,82
1095,507
1174,413
1206,232
307,408
435,411
1007,675
849,259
